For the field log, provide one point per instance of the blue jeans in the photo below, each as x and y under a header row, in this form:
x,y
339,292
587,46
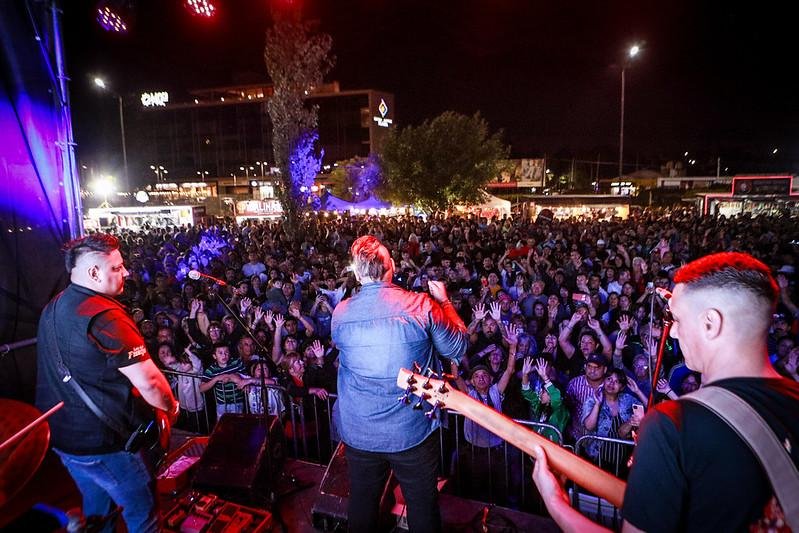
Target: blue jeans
x,y
119,478
416,470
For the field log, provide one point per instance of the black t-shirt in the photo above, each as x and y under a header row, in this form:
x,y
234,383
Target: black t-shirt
x,y
691,471
95,337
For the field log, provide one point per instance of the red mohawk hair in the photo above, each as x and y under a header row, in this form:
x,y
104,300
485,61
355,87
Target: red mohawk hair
x,y
731,270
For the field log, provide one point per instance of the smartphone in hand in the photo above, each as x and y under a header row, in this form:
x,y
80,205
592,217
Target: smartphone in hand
x,y
638,410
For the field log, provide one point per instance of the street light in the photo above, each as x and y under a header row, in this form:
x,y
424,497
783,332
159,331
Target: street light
x,y
104,186
159,172
203,174
631,54
262,164
100,83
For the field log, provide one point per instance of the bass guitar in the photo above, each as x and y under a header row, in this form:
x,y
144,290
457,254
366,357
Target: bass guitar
x,y
153,431
441,395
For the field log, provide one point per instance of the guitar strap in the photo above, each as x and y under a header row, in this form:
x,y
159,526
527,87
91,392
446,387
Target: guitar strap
x,y
757,434
66,377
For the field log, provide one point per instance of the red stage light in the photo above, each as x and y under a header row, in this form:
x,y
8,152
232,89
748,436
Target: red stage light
x,y
202,8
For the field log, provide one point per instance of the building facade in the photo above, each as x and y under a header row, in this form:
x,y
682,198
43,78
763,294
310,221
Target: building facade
x,y
226,132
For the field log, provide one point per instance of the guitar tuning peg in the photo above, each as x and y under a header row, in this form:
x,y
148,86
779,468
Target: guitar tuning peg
x,y
427,385
443,388
424,396
433,413
411,380
406,396
417,368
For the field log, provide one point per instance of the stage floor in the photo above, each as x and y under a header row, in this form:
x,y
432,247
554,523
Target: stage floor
x,y
52,486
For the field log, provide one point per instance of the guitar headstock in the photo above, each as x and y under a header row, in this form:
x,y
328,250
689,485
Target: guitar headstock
x,y
426,388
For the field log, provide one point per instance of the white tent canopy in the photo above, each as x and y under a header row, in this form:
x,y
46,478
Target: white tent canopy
x,y
491,207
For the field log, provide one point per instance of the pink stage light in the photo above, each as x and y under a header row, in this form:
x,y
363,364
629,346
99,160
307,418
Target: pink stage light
x,y
202,8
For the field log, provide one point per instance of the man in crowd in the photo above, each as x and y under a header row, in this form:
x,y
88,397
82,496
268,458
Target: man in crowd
x,y
378,331
691,471
84,332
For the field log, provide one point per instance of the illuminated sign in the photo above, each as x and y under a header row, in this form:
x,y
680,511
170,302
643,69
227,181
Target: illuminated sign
x,y
158,99
778,185
382,121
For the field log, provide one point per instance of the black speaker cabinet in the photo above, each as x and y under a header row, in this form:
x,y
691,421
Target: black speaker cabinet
x,y
244,456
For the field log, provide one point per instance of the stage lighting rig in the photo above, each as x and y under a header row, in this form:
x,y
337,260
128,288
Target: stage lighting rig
x,y
201,8
114,15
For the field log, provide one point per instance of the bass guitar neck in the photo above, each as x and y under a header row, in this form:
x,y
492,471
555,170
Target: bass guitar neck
x,y
441,395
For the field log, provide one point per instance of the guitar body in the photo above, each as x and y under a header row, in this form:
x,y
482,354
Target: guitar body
x,y
153,432
441,395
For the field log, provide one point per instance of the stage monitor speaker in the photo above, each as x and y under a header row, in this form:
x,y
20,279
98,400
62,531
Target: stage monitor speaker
x,y
244,456
329,511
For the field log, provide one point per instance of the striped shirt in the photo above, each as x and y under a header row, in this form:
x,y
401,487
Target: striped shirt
x,y
226,392
577,392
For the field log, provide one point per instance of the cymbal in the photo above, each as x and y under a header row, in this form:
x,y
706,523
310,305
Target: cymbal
x,y
20,461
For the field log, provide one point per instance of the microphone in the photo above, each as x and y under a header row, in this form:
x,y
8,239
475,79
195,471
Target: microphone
x,y
196,274
665,294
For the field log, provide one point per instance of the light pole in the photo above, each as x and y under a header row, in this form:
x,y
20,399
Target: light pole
x,y
100,82
262,164
160,171
631,53
203,174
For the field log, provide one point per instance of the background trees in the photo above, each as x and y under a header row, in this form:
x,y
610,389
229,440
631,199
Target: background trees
x,y
297,58
443,162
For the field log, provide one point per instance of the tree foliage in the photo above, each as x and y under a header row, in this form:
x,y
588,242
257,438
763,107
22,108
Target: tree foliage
x,y
356,179
442,162
297,59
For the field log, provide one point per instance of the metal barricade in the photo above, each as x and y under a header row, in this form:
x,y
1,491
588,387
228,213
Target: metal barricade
x,y
611,455
501,475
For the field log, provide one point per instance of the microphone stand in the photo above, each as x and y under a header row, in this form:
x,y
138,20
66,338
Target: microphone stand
x,y
264,396
664,335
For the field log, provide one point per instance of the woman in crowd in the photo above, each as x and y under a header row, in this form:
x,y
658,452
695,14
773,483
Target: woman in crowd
x,y
609,413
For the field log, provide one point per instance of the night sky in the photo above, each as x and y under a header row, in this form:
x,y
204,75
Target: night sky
x,y
714,79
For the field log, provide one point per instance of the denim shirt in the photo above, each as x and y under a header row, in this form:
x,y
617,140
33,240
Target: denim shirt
x,y
378,331
605,419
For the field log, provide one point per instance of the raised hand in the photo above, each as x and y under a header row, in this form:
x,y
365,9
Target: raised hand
x,y
294,310
268,317
512,335
633,386
496,313
594,324
438,291
259,315
541,367
527,366
662,386
479,311
245,305
317,349
279,321
553,312
621,340
195,306
625,322
514,308
599,393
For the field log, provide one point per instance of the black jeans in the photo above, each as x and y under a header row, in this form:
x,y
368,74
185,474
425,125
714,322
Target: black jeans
x,y
416,470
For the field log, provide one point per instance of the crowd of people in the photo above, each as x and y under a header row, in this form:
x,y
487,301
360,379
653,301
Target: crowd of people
x,y
564,317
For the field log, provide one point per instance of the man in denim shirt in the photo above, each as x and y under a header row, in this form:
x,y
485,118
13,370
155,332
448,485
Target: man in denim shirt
x,y
378,331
